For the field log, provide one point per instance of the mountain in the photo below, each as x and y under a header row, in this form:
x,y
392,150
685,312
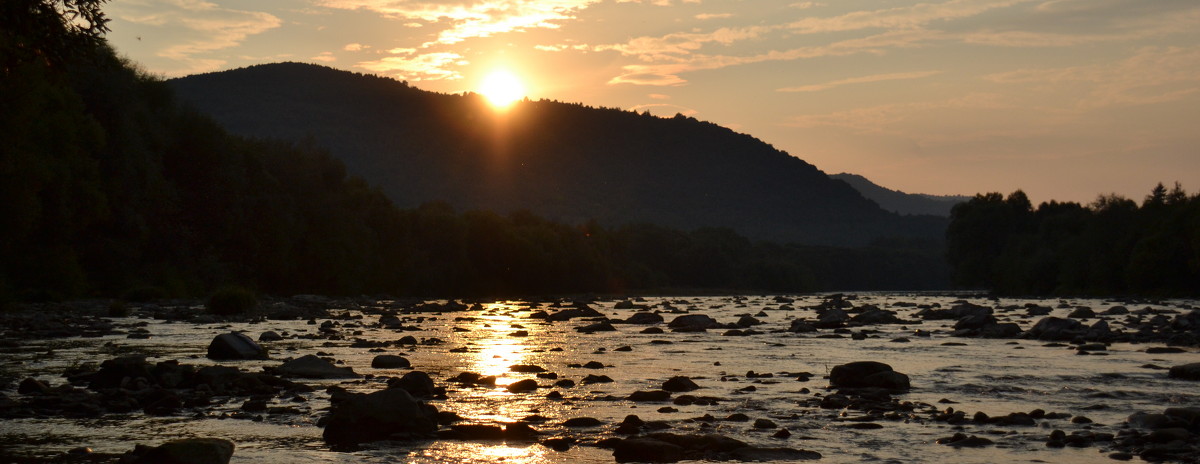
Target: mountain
x,y
900,202
566,162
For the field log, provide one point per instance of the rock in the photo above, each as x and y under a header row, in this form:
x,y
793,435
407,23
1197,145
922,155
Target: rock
x,y
1185,371
764,424
523,386
975,321
270,336
831,318
596,327
646,450
1082,312
799,326
679,384
1001,330
389,361
582,422
32,386
235,346
652,395
189,451
313,367
960,440
1057,329
114,371
751,453
644,318
692,322
382,415
526,368
416,383
747,321
568,314
867,374
875,315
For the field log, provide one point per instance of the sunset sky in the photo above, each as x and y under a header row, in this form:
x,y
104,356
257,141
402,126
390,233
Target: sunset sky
x,y
1065,99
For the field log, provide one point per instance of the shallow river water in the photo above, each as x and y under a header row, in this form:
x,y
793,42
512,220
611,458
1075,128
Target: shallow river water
x,y
995,376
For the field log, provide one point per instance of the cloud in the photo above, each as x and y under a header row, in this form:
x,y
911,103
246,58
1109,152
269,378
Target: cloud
x,y
860,80
907,17
324,57
1150,75
191,30
354,47
465,19
707,16
429,66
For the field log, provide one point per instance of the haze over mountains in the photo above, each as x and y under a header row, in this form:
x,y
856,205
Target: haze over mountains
x,y
900,202
564,161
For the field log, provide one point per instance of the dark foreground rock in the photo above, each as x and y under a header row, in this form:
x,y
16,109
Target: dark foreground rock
x,y
313,367
186,451
387,414
235,346
867,374
1185,372
670,447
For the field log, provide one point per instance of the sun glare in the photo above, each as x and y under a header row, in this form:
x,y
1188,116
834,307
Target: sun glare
x,y
502,88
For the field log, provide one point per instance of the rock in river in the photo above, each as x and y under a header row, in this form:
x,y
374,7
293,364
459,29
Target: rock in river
x,y
1185,372
382,415
234,345
313,367
188,451
867,374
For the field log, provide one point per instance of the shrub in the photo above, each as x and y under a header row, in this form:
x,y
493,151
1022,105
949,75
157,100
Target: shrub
x,y
230,300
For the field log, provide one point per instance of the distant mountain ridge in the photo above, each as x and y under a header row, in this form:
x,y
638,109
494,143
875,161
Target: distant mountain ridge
x,y
901,202
563,161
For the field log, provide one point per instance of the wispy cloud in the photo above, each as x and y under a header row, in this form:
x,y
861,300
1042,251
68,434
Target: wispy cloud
x,y
196,28
324,57
428,66
1151,75
860,80
465,19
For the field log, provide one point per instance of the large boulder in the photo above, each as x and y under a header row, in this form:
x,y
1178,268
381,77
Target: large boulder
x,y
312,366
383,415
679,384
389,361
873,315
692,322
235,346
416,383
867,374
114,371
644,318
189,451
1056,328
1185,371
831,318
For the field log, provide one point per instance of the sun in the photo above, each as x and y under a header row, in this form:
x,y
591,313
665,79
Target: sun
x,y
502,88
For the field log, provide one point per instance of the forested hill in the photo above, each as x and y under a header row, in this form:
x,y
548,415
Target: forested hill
x,y
566,162
901,202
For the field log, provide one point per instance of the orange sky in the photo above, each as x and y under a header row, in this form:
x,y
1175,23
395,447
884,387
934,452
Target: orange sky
x,y
1065,99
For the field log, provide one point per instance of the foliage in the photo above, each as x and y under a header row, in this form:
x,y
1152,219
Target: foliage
x,y
231,300
1112,246
567,162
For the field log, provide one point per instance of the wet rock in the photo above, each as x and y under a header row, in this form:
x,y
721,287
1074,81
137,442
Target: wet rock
x,y
670,447
582,422
314,367
1185,372
867,374
471,378
799,326
692,323
592,378
32,386
526,368
1082,312
747,321
679,384
961,440
1056,329
270,336
646,450
389,361
644,318
416,383
764,424
597,327
875,315
831,318
189,451
568,314
650,396
382,415
235,346
523,386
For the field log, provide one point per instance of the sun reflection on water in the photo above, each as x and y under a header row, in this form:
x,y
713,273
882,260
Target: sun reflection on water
x,y
494,349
